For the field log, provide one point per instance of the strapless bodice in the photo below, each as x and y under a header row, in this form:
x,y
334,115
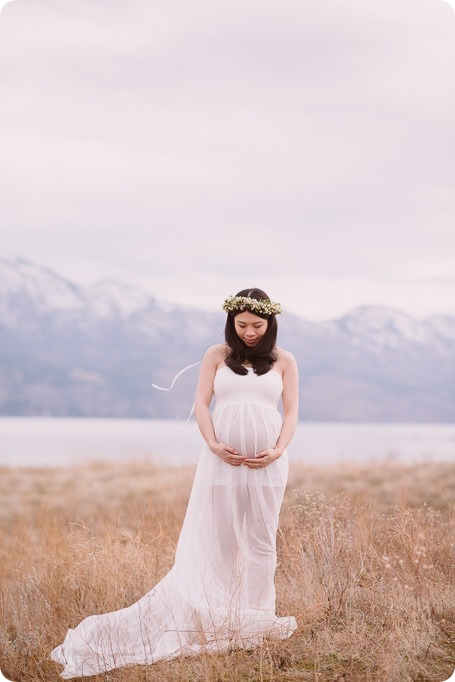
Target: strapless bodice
x,y
245,415
229,387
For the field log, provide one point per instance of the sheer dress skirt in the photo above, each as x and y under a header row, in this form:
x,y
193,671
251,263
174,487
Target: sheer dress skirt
x,y
220,592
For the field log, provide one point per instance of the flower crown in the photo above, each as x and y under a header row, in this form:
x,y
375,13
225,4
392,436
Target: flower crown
x,y
264,307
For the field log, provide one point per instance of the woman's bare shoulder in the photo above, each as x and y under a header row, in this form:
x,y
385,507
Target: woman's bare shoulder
x,y
285,359
216,352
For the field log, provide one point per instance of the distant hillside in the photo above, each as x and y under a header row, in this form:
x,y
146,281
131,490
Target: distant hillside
x,y
72,351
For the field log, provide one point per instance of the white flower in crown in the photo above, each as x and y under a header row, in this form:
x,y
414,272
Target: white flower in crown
x,y
264,307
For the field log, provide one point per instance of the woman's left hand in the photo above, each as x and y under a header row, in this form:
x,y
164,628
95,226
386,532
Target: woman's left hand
x,y
262,459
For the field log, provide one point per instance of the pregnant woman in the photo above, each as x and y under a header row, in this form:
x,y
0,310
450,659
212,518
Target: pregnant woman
x,y
220,593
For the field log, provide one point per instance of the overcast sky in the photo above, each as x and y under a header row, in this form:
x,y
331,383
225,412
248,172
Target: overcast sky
x,y
197,148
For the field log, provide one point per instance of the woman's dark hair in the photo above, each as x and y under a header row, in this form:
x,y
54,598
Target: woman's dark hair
x,y
263,355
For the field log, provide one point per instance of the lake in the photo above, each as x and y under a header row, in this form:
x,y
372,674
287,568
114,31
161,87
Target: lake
x,y
43,442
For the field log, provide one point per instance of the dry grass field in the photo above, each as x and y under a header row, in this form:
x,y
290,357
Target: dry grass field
x,y
366,564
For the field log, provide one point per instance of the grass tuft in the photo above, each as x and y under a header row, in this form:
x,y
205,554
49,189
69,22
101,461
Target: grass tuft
x,y
366,564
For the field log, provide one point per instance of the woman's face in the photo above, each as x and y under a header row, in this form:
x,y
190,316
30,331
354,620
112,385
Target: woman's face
x,y
250,328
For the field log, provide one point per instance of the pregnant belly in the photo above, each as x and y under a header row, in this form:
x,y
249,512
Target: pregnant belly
x,y
247,428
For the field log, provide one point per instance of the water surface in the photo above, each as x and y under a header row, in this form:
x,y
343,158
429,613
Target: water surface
x,y
42,441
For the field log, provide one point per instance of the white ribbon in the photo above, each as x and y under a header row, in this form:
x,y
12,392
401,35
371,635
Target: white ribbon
x,y
161,388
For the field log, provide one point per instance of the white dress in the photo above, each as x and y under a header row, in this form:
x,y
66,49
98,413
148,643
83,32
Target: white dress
x,y
220,593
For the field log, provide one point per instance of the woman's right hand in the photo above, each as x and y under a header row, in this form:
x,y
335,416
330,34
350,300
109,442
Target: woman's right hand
x,y
227,454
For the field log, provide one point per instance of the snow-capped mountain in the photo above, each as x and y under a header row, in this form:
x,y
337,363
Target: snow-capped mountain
x,y
25,284
389,327
95,351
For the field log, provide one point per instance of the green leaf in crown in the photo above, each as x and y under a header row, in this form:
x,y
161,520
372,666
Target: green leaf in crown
x,y
264,307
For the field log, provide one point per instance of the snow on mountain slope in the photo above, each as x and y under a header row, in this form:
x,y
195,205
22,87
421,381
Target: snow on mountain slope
x,y
391,328
28,290
110,298
443,325
25,286
22,283
95,351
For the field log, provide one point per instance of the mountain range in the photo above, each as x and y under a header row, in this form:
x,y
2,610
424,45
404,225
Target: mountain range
x,y
68,350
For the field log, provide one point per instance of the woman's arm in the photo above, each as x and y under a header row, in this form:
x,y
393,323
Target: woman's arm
x,y
290,400
203,397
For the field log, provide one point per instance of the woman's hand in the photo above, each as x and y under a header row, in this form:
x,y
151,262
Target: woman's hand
x,y
227,454
262,459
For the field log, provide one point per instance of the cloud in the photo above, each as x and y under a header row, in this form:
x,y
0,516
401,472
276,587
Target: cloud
x,y
156,141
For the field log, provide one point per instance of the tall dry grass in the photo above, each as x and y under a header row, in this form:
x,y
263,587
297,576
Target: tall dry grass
x,y
366,564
